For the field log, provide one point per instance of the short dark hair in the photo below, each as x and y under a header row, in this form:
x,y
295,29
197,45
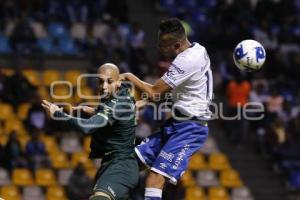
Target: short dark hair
x,y
172,26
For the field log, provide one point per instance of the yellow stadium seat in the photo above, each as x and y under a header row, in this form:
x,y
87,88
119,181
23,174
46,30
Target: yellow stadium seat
x,y
6,111
44,92
55,193
14,124
50,144
86,93
50,76
1,127
3,139
86,144
187,179
91,172
22,177
230,178
76,99
71,76
82,157
10,193
68,103
60,160
23,110
218,193
32,76
62,91
197,162
45,177
23,139
218,161
193,193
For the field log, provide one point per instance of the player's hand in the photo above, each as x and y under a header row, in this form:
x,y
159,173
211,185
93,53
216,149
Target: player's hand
x,y
50,107
141,104
75,108
124,76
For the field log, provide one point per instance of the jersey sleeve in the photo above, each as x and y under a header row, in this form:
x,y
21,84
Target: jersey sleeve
x,y
184,66
180,70
86,126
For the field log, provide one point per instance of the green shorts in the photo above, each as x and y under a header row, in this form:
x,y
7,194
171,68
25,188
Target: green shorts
x,y
116,177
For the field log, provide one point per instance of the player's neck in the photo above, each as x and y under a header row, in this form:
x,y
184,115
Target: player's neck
x,y
185,45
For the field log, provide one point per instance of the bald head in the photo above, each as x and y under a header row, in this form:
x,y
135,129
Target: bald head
x,y
110,70
109,81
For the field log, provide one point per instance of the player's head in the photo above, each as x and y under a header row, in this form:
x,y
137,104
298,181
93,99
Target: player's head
x,y
109,79
172,36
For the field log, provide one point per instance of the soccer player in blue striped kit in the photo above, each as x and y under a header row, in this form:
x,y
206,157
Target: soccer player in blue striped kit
x,y
189,79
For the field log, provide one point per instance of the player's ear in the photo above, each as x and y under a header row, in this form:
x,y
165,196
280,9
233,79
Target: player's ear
x,y
177,45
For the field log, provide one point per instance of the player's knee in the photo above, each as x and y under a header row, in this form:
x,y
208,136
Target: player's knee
x,y
155,180
100,196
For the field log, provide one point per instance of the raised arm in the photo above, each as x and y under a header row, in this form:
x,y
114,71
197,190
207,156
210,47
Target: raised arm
x,y
86,126
160,87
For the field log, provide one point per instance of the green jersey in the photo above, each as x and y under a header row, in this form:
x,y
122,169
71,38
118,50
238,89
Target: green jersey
x,y
112,127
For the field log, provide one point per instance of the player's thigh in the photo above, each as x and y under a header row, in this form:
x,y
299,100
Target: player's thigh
x,y
149,148
173,159
119,177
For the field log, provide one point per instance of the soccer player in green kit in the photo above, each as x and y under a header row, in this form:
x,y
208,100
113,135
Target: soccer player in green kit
x,y
112,127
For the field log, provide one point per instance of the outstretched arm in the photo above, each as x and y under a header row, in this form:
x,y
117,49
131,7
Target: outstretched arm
x,y
160,87
86,126
87,109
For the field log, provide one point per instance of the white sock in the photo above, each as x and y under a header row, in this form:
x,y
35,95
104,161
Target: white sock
x,y
153,192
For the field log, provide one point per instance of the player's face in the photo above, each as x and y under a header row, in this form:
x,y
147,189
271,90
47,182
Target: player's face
x,y
167,47
108,84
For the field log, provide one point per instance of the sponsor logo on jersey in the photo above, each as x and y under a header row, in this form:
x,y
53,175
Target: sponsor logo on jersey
x,y
168,156
180,156
108,153
111,191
